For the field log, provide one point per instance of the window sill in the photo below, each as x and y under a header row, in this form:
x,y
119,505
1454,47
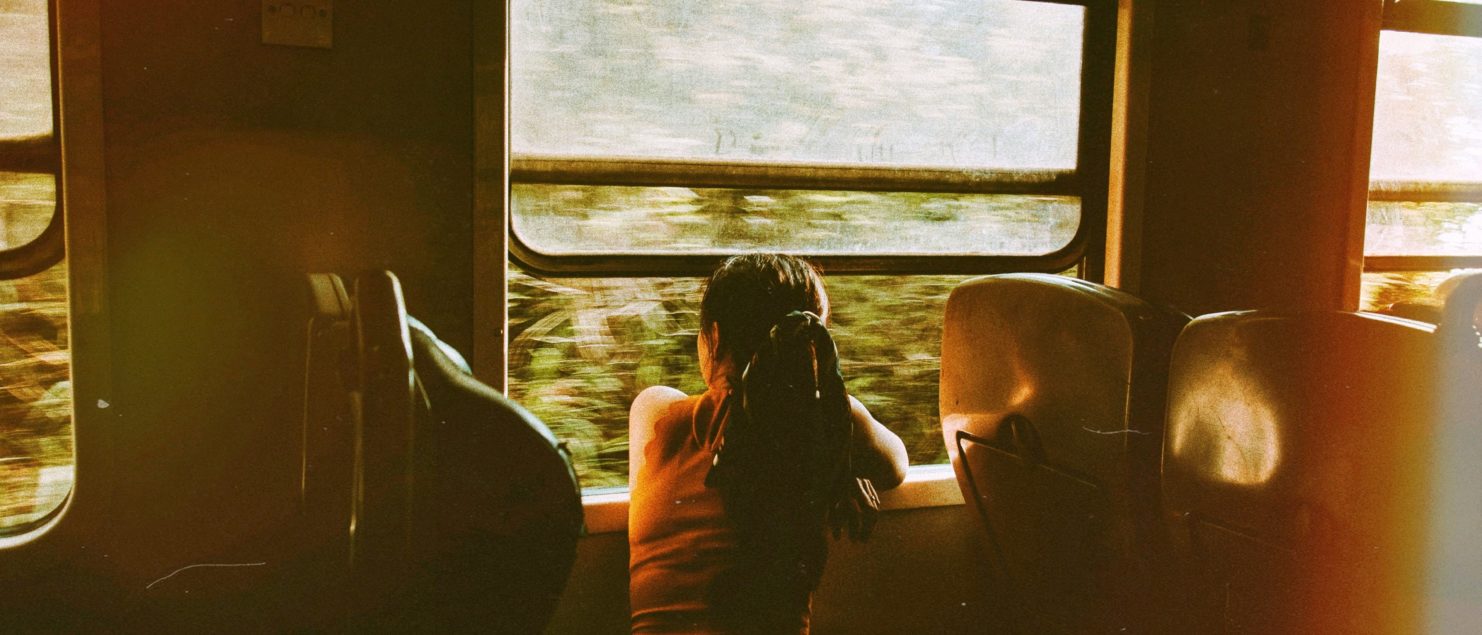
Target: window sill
x,y
925,486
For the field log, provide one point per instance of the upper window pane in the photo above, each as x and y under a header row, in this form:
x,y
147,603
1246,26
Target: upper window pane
x,y
1428,108
25,69
972,83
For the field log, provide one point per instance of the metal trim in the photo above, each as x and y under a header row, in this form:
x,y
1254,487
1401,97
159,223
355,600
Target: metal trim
x,y
1425,191
1435,18
654,172
1400,264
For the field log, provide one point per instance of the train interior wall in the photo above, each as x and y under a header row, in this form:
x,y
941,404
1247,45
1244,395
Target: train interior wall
x,y
232,168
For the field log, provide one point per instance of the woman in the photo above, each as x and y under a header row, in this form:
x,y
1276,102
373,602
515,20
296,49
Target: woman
x,y
733,490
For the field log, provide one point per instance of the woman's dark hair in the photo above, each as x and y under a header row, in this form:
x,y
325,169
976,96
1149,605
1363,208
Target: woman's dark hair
x,y
782,460
749,293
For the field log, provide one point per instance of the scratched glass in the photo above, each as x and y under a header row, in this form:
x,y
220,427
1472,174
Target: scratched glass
x,y
1428,108
970,83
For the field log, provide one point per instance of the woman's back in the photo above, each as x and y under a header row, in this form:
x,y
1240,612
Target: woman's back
x,y
688,570
732,490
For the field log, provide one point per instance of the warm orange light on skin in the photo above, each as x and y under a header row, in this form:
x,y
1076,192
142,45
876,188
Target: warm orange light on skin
x,y
1234,430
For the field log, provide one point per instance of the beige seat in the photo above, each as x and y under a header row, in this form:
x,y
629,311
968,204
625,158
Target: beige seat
x,y
1052,395
1297,470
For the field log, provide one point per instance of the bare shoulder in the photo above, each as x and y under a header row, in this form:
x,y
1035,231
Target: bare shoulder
x,y
653,402
859,410
648,407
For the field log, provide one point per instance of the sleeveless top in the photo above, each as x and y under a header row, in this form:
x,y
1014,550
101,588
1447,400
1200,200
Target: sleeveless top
x,y
685,566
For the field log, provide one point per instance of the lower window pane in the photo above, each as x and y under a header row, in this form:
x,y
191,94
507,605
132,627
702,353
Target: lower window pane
x,y
27,201
1407,228
582,348
578,219
36,456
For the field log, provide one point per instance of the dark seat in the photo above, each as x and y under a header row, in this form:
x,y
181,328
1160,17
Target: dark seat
x,y
500,501
467,508
1297,470
1052,395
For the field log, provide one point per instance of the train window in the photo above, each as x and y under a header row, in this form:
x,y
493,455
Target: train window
x,y
1425,200
903,145
36,456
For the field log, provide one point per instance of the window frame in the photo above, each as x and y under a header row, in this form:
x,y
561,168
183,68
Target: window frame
x,y
1427,17
1434,17
77,115
1088,180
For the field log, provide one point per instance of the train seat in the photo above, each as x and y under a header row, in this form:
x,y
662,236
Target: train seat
x,y
1295,469
1454,560
463,510
500,497
1052,395
1461,313
467,510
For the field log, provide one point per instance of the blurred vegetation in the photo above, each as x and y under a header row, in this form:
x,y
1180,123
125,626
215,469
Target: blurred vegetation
x,y
1407,228
1379,291
577,219
35,397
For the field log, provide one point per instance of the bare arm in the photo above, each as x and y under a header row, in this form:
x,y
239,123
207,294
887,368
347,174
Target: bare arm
x,y
647,407
878,454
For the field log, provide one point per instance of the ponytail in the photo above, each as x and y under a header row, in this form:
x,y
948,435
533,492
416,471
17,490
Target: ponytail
x,y
783,465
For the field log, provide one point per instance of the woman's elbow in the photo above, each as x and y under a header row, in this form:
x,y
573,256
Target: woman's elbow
x,y
893,470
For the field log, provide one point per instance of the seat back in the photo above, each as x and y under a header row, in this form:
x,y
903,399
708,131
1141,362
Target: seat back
x,y
499,498
383,477
1052,410
1454,559
1296,469
466,510
327,434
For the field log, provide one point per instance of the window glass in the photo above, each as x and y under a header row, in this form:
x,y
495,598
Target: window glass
x,y
1408,228
27,201
36,455
582,348
576,219
1381,291
976,83
1427,146
25,57
1428,108
35,398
